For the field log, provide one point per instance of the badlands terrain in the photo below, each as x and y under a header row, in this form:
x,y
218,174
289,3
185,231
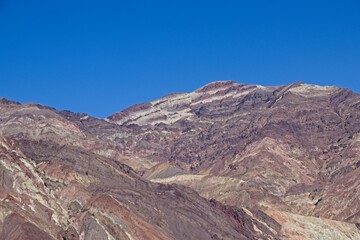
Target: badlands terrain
x,y
227,161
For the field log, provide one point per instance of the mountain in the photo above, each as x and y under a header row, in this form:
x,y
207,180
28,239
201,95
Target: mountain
x,y
227,161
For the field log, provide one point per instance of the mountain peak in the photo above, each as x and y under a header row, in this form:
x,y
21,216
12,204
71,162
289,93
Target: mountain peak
x,y
229,160
216,85
174,107
6,101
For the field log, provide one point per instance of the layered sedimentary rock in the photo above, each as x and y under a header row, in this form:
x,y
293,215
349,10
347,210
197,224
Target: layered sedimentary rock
x,y
227,161
53,186
62,192
292,147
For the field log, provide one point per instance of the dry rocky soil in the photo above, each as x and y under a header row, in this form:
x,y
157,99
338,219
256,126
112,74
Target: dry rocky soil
x,y
227,161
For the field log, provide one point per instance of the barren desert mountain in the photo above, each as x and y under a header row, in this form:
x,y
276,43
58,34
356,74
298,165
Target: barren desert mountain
x,y
227,161
293,147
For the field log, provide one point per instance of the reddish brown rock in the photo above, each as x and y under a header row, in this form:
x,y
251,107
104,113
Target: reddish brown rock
x,y
274,158
291,147
16,227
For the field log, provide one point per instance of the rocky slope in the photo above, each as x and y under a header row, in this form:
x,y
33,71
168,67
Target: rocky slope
x,y
53,186
268,163
292,147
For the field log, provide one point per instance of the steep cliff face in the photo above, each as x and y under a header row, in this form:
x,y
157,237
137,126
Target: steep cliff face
x,y
228,161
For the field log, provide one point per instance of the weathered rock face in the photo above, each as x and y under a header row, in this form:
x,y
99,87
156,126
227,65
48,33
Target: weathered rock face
x,y
53,186
62,192
292,147
268,162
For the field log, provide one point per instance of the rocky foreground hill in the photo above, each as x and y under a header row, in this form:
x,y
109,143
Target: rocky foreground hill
x,y
227,161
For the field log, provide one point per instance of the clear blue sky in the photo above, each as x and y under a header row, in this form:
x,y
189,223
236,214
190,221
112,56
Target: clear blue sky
x,y
99,57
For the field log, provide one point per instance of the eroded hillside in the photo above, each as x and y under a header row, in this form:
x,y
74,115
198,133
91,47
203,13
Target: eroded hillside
x,y
228,161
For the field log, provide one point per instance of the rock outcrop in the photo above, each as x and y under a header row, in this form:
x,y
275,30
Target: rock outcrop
x,y
292,147
228,161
